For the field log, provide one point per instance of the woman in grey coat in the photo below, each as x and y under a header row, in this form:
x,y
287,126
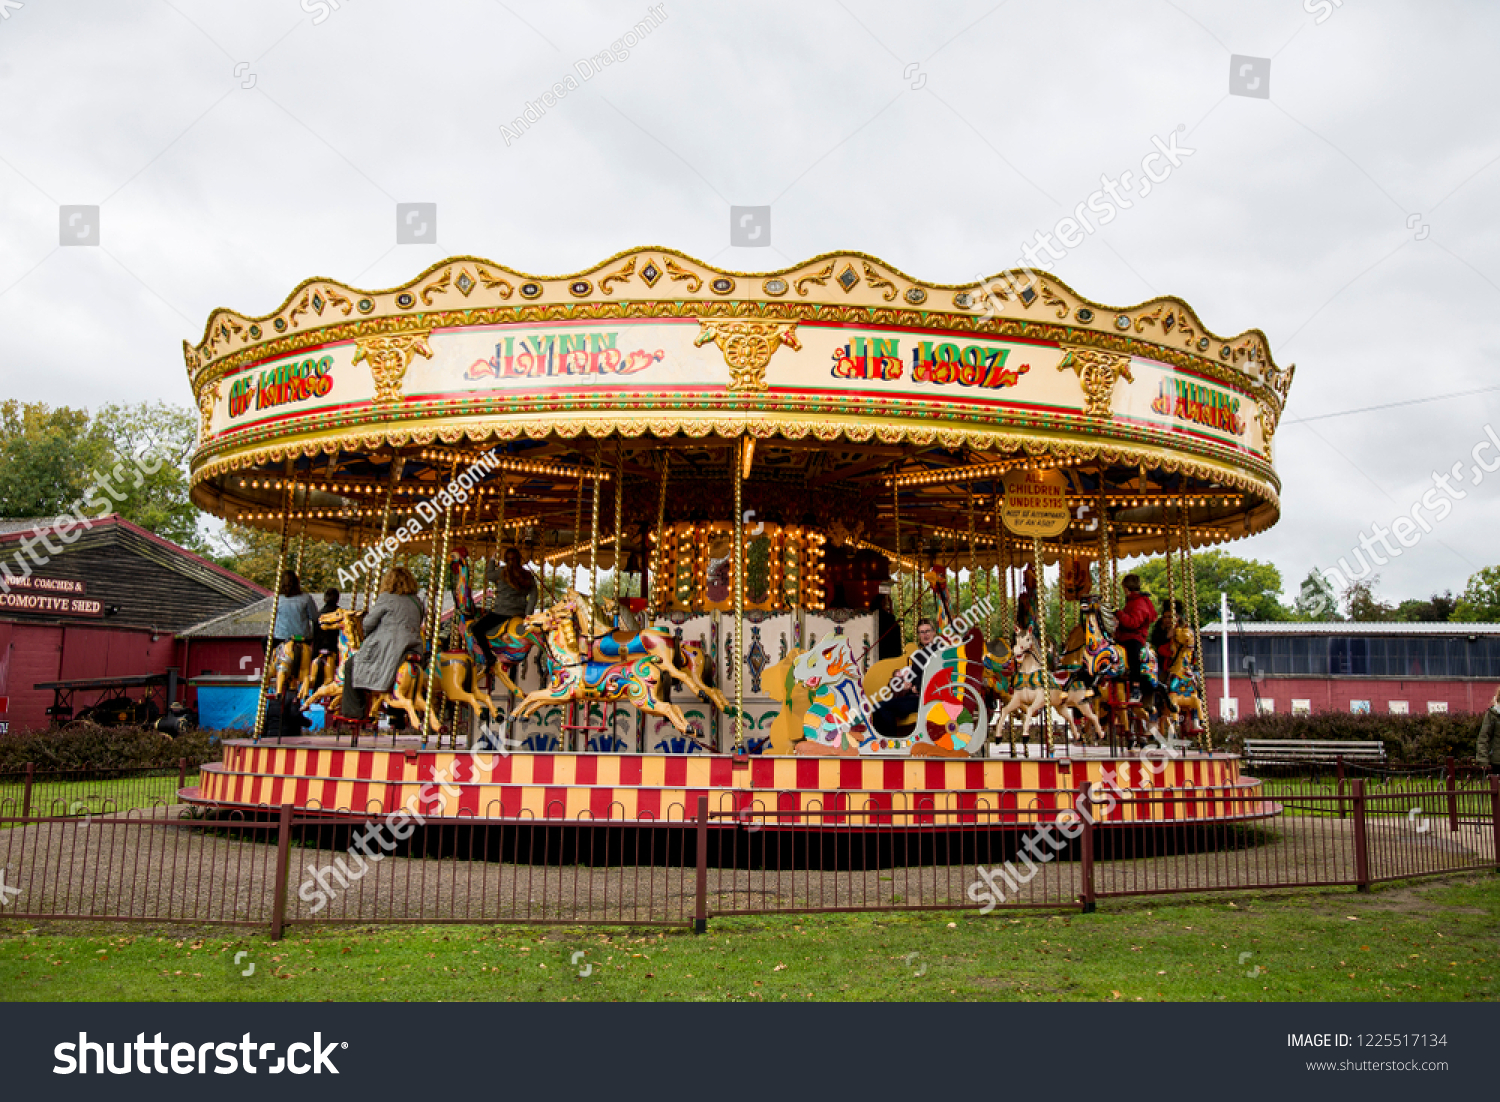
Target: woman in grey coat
x,y
515,586
392,626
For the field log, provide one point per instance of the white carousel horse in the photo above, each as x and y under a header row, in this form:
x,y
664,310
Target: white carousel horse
x,y
1036,685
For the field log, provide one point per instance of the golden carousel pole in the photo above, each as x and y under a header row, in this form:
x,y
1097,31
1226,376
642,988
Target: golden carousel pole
x,y
739,596
619,561
385,524
896,594
1191,581
499,557
620,523
658,549
973,554
1039,620
435,606
1004,629
1102,589
265,669
577,525
451,707
594,530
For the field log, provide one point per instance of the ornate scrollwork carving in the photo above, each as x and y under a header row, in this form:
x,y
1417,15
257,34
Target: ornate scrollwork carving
x,y
1098,371
206,402
876,282
820,278
677,271
619,275
389,356
747,347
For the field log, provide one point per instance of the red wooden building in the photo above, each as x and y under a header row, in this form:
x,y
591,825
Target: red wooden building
x,y
1381,668
106,601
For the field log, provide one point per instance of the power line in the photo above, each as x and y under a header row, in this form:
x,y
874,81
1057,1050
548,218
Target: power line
x,y
1391,405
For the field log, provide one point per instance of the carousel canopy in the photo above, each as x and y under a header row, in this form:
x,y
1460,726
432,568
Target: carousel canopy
x,y
882,408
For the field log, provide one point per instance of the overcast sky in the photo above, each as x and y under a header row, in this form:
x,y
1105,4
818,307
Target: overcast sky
x,y
236,147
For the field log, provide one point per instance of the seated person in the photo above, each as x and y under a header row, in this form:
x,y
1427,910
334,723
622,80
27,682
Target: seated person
x,y
1134,625
1161,635
392,627
515,586
908,680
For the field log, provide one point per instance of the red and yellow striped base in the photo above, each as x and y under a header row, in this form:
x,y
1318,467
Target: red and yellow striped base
x,y
318,775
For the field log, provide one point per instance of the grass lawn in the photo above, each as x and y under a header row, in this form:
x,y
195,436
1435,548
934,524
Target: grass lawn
x,y
113,796
1404,942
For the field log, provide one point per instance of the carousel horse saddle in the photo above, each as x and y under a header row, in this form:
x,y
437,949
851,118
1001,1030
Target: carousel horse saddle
x,y
618,644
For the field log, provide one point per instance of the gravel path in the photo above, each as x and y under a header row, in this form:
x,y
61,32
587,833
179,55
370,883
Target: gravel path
x,y
155,865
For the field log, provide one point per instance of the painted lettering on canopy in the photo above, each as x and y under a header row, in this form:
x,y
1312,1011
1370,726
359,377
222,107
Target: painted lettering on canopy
x,y
538,355
296,381
974,365
967,365
1199,405
868,359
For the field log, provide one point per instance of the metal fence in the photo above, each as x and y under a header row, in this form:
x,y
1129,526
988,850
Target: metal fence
x,y
91,790
1052,848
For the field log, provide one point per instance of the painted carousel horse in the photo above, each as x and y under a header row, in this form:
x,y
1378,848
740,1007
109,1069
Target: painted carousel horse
x,y
637,679
292,664
409,694
493,641
1103,665
606,645
1036,685
1182,681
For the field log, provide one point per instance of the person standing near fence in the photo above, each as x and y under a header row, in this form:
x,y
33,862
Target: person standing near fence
x,y
1488,749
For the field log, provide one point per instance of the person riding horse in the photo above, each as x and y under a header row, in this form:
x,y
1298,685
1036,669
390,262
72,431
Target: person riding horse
x,y
1135,620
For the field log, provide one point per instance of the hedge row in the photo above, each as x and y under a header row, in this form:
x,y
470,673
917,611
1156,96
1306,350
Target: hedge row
x,y
109,748
1414,739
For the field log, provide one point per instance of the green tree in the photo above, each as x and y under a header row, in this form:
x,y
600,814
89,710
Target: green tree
x,y
1436,609
132,456
1363,606
1316,599
1253,587
1480,602
44,458
153,440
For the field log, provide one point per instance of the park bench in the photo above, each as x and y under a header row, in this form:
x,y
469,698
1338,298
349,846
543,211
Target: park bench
x,y
1277,751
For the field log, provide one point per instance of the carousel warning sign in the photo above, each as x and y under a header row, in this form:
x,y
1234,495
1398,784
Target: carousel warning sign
x,y
1036,503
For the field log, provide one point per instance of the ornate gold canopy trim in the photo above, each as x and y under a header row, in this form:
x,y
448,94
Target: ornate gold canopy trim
x,y
827,287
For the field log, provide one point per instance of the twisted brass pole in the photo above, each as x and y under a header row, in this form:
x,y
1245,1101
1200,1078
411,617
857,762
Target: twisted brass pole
x,y
265,669
1039,620
434,634
739,598
658,549
1192,589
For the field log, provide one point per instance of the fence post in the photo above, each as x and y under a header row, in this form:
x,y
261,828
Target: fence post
x,y
181,774
1452,795
26,793
700,912
1361,842
283,852
1495,817
1339,759
1086,847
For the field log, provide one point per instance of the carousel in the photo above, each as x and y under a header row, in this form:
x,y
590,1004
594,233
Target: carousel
x,y
821,537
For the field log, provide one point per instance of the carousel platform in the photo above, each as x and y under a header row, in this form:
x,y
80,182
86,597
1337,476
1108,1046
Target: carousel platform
x,y
319,775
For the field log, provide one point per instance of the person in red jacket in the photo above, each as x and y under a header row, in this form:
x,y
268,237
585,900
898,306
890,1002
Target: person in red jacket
x,y
1134,629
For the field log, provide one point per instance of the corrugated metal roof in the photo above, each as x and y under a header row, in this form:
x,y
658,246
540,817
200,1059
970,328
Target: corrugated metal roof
x,y
1289,627
23,524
